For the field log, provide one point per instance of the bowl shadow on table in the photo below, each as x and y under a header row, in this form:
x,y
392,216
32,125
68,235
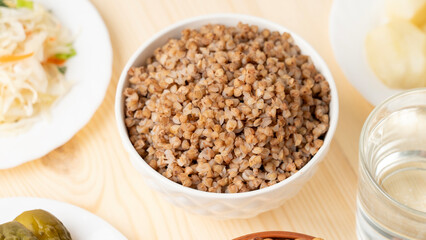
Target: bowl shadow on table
x,y
305,213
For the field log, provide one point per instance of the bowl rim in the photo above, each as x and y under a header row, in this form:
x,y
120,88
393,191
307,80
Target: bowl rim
x,y
308,49
275,234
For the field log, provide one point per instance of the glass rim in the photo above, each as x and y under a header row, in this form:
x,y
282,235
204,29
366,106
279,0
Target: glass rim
x,y
366,125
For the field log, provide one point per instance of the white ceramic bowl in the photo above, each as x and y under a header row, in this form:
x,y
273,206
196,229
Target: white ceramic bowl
x,y
223,205
350,21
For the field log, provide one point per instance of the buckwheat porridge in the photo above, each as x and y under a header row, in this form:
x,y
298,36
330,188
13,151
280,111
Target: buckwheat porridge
x,y
227,109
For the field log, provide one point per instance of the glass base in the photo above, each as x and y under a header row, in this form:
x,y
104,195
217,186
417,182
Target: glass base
x,y
367,229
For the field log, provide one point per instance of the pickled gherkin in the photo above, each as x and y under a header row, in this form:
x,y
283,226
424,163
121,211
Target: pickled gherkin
x,y
43,225
15,231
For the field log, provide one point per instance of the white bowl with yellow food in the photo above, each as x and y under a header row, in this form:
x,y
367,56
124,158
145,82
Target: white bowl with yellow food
x,y
380,45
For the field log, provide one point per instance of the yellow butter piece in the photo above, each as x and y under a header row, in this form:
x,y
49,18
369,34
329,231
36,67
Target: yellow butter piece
x,y
404,9
419,18
396,53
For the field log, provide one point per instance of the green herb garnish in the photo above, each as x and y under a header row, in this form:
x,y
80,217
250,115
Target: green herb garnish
x,y
2,4
65,56
63,69
24,4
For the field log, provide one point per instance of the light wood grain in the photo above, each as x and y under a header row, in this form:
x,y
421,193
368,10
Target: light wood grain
x,y
93,170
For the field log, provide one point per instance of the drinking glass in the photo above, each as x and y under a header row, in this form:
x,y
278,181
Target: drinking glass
x,y
391,201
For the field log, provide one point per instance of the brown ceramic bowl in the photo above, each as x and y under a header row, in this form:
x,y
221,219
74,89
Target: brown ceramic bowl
x,y
275,234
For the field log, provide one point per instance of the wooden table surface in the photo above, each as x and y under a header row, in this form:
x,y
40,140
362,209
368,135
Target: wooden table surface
x,y
93,170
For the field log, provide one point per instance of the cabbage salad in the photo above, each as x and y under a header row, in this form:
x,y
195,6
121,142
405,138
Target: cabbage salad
x,y
34,48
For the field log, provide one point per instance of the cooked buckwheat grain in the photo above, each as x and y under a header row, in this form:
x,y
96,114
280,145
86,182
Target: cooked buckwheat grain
x,y
227,109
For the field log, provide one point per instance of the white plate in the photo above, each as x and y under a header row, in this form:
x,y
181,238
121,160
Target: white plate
x,y
90,70
82,224
350,21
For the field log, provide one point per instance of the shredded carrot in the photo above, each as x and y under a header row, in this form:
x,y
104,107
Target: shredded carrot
x,y
52,39
56,61
28,33
13,58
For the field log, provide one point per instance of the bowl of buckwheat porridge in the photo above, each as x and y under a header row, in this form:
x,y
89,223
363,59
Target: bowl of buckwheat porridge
x,y
226,115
